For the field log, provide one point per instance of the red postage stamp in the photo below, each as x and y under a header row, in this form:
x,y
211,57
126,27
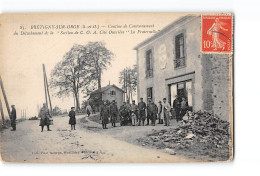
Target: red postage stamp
x,y
216,33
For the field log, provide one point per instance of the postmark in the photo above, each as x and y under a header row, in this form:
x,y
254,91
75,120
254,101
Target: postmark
x,y
216,34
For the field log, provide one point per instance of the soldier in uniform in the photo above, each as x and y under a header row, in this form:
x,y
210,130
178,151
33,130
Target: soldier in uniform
x,y
141,109
134,113
148,111
104,114
166,108
113,113
72,120
45,117
13,118
176,106
160,116
153,112
124,114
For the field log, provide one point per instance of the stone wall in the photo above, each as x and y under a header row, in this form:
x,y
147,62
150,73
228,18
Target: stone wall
x,y
217,92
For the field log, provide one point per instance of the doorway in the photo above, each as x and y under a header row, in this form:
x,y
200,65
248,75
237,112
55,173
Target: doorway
x,y
183,90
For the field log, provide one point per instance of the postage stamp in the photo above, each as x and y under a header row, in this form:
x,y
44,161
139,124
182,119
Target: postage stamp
x,y
216,33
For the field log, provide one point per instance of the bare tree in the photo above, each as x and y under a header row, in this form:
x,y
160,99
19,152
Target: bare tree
x,y
128,81
71,74
99,58
81,70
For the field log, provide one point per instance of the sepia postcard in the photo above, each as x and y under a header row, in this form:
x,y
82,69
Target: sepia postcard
x,y
116,87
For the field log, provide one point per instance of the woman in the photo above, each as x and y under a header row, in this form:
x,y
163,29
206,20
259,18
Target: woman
x,y
72,120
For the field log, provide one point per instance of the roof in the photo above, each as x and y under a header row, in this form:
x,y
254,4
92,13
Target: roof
x,y
106,88
165,29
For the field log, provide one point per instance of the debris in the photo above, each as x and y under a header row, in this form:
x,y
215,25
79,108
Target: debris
x,y
200,134
190,136
170,151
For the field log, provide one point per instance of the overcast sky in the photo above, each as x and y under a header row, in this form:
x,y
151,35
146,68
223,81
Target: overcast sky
x,y
22,56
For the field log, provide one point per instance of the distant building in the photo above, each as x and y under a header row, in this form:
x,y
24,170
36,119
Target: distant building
x,y
170,63
110,93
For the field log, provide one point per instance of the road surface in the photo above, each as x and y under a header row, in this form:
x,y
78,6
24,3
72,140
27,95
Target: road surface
x,y
29,144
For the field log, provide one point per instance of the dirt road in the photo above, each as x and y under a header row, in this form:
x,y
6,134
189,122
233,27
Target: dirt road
x,y
29,144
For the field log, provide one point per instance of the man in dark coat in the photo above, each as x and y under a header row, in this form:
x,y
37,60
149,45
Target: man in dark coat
x,y
184,107
177,107
13,118
124,114
104,114
113,113
153,112
45,117
160,115
72,120
141,112
148,111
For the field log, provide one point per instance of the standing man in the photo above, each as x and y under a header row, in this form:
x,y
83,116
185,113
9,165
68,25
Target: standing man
x,y
113,113
177,106
184,107
134,113
123,113
141,109
45,117
153,112
72,120
104,114
160,119
166,108
148,111
13,118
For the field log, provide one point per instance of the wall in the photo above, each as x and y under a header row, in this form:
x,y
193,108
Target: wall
x,y
118,97
216,84
191,30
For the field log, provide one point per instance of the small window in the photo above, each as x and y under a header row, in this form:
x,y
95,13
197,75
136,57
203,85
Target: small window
x,y
149,93
113,92
179,51
149,63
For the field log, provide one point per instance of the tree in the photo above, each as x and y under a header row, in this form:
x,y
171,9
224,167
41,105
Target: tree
x,y
128,81
99,58
81,70
71,74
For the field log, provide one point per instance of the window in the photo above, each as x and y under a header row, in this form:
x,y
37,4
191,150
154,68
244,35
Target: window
x,y
113,93
179,51
149,93
149,63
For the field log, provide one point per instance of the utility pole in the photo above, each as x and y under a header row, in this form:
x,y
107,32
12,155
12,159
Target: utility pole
x,y
2,113
46,89
5,98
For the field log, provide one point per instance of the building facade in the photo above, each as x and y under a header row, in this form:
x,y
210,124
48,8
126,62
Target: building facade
x,y
170,63
110,93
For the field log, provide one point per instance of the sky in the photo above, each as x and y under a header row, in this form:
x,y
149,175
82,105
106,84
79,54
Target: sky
x,y
22,56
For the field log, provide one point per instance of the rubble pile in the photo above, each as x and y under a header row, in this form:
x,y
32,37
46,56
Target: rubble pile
x,y
199,134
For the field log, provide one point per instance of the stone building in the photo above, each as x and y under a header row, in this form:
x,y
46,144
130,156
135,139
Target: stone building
x,y
171,63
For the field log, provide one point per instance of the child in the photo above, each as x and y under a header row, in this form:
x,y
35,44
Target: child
x,y
72,120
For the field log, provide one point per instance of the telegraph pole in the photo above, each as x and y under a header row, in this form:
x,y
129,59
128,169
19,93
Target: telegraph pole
x,y
2,113
5,98
46,88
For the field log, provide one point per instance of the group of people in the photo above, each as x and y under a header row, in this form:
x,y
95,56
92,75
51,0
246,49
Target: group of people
x,y
137,114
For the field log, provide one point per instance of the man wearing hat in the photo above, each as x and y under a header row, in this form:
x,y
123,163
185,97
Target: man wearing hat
x,y
72,120
177,107
104,114
134,113
113,113
166,108
153,112
13,118
45,117
149,111
160,116
141,111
